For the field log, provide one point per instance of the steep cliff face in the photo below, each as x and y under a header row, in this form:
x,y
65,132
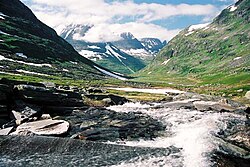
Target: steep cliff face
x,y
212,53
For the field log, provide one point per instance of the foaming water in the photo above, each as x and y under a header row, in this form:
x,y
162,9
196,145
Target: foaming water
x,y
190,130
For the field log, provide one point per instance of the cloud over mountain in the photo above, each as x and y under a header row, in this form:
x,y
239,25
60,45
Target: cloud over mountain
x,y
110,18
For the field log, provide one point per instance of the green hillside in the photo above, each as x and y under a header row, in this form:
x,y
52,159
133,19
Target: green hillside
x,y
210,58
30,50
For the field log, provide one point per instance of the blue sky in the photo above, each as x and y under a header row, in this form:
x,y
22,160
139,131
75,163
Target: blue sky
x,y
162,19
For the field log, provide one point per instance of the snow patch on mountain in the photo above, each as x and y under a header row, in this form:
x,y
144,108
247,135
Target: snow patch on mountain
x,y
110,74
232,8
165,62
197,26
2,16
30,72
110,50
21,55
237,58
193,28
93,47
4,33
91,54
67,34
142,53
22,62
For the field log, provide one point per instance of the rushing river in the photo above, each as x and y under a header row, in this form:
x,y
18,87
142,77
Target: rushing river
x,y
192,131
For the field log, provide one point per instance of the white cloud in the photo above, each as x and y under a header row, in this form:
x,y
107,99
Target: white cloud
x,y
110,32
104,16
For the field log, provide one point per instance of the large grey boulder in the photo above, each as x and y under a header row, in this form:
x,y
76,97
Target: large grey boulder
x,y
109,99
43,127
48,97
100,124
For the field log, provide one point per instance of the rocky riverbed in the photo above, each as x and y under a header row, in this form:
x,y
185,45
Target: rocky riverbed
x,y
47,124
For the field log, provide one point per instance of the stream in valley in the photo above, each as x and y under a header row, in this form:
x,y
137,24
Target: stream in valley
x,y
192,133
190,130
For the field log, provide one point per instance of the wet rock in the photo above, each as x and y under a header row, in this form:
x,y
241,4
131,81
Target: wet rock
x,y
8,124
212,106
110,99
3,97
187,104
4,111
189,95
5,100
102,124
100,134
227,160
4,121
40,151
94,90
28,110
43,96
43,127
58,110
5,89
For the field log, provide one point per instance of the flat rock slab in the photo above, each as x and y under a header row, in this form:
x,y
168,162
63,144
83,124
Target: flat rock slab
x,y
5,131
44,127
52,151
210,105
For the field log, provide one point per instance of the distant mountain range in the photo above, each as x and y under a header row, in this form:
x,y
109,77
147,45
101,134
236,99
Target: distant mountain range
x,y
126,55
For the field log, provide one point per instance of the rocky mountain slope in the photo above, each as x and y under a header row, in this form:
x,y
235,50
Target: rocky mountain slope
x,y
126,55
29,47
210,54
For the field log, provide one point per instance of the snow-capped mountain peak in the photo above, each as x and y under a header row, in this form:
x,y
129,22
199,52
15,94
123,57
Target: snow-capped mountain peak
x,y
127,35
152,45
75,31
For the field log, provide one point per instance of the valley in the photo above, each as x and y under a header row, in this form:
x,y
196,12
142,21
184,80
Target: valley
x,y
66,100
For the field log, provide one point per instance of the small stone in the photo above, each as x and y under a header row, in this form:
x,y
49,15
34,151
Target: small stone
x,y
20,118
248,95
45,116
107,100
240,90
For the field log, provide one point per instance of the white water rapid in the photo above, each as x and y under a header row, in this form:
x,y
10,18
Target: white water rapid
x,y
189,130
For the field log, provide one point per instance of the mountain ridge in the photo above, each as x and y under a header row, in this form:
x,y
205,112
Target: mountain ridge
x,y
128,46
26,44
212,54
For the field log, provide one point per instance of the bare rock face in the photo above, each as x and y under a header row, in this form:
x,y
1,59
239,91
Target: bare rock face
x,y
43,127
